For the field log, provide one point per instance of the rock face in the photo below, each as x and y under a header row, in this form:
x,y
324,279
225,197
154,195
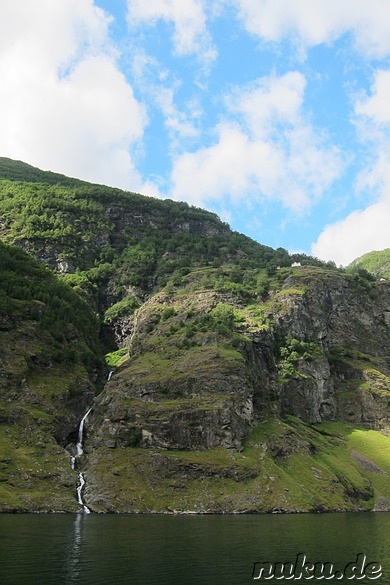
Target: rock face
x,y
202,397
214,409
349,381
241,380
187,412
319,354
311,398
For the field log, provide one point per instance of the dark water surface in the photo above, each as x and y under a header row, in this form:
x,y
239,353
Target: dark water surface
x,y
182,550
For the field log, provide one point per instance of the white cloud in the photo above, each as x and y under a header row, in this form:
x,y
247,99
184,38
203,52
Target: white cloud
x,y
313,22
189,19
160,88
270,101
376,106
64,105
51,34
361,232
178,123
267,152
372,119
368,229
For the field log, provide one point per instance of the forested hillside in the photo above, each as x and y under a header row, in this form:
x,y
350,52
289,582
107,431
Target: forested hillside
x,y
115,247
242,378
49,365
376,263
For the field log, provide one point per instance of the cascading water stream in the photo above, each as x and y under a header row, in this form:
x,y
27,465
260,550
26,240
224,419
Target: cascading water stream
x,y
79,452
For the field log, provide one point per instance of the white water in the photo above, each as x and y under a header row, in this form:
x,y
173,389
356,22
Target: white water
x,y
79,452
79,445
79,497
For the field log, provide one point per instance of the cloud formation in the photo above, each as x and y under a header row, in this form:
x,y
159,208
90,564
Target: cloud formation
x,y
376,106
361,232
159,87
367,229
65,105
216,132
312,22
188,17
264,149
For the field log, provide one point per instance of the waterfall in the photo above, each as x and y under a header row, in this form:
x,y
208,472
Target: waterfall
x,y
79,445
79,452
79,496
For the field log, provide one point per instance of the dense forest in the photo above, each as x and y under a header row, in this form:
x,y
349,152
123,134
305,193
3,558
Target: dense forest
x,y
100,237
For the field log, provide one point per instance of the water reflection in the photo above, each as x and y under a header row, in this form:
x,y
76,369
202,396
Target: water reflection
x,y
72,567
208,550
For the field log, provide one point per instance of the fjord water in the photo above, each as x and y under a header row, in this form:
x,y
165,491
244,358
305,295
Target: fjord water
x,y
180,550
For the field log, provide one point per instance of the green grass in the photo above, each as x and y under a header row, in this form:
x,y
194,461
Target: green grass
x,y
205,291
373,445
376,263
284,465
117,358
193,362
35,472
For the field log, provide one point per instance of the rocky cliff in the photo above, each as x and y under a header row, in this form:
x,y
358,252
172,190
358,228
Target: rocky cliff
x,y
239,383
184,408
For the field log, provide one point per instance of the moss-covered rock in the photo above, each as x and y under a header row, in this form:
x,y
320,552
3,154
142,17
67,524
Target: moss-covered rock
x,y
239,383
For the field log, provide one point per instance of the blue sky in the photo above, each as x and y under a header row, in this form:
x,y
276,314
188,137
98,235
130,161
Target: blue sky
x,y
273,113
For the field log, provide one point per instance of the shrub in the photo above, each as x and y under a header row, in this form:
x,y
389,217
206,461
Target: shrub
x,y
224,314
167,313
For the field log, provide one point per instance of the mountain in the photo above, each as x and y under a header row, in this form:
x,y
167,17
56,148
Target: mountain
x,y
49,363
243,379
376,263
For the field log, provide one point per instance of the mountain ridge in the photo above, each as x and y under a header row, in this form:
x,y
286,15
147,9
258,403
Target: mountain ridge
x,y
376,262
240,383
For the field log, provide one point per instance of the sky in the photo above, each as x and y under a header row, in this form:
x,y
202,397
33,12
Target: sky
x,y
275,114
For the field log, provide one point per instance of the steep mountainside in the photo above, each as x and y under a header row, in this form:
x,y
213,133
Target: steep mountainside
x,y
239,382
376,263
221,403
49,364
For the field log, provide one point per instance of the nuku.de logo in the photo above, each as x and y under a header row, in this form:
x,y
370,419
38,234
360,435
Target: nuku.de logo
x,y
303,569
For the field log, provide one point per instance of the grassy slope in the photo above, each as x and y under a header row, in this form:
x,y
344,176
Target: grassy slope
x,y
376,263
346,469
35,472
284,466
